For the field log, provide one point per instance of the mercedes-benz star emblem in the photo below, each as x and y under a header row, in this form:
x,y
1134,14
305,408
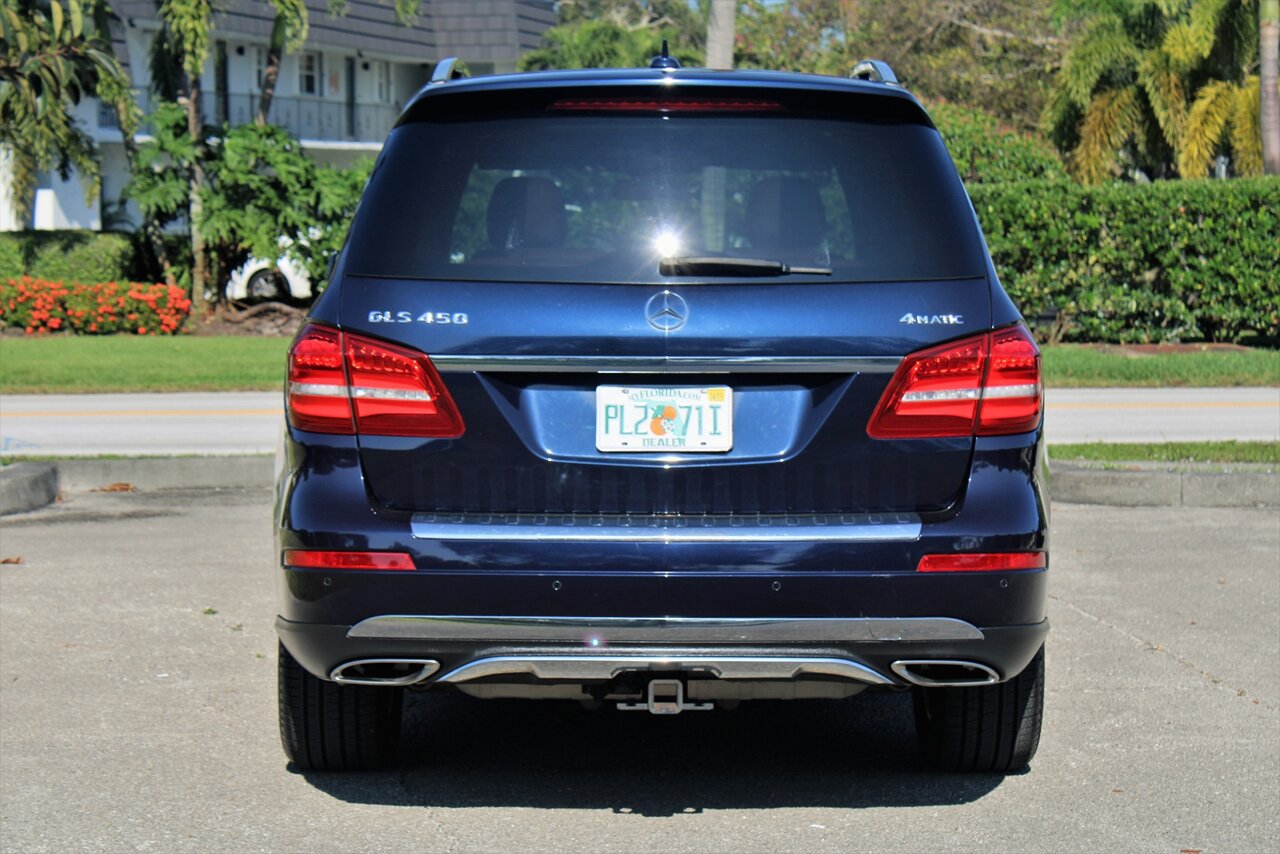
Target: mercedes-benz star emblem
x,y
666,311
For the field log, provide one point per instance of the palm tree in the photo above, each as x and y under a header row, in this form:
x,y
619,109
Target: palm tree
x,y
1158,88
51,55
187,25
1269,91
288,33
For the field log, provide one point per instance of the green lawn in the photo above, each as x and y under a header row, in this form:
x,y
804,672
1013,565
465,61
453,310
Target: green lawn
x,y
126,363
1169,452
1073,366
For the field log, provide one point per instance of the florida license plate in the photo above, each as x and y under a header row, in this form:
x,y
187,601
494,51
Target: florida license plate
x,y
632,418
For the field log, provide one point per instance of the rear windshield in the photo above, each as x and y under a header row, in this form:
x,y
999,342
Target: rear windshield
x,y
556,197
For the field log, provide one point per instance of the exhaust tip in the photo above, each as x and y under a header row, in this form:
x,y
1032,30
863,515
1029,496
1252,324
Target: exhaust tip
x,y
940,673
385,671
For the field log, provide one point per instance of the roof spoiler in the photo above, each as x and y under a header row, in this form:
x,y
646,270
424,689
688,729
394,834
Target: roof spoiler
x,y
453,68
874,71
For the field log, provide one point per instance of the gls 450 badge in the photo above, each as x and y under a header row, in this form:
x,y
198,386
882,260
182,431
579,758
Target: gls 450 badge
x,y
443,318
932,319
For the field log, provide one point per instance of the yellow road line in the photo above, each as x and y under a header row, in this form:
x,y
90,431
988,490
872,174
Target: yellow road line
x,y
1249,404
150,413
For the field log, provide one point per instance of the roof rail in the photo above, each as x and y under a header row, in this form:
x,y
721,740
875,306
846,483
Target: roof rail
x,y
450,68
875,71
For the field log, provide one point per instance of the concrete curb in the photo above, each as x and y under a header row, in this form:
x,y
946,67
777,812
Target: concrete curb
x,y
1137,485
27,486
243,472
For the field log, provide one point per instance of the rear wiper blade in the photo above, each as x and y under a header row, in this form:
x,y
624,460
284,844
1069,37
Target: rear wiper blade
x,y
713,266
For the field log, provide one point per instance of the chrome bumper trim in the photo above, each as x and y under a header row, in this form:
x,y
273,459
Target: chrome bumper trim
x,y
671,364
598,631
590,667
588,528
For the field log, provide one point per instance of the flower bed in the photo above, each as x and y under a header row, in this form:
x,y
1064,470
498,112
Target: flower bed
x,y
38,307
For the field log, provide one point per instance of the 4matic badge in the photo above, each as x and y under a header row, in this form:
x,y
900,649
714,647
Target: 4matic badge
x,y
932,319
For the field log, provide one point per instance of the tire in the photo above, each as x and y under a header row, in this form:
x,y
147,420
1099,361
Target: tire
x,y
265,285
329,727
989,729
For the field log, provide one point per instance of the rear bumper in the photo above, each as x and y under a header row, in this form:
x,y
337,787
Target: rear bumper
x,y
595,581
586,650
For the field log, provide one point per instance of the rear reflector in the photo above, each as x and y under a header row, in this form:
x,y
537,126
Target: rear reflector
x,y
985,385
633,105
981,562
308,559
344,383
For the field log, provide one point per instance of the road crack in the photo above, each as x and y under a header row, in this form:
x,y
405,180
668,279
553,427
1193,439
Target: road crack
x,y
1143,643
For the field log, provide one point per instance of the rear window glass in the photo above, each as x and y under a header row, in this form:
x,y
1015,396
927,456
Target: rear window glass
x,y
601,198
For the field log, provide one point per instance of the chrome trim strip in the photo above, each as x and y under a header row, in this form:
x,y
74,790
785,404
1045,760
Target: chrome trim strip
x,y
584,667
358,391
597,631
585,528
427,666
670,364
903,669
318,389
994,392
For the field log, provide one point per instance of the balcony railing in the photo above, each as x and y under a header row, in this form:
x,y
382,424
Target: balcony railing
x,y
306,117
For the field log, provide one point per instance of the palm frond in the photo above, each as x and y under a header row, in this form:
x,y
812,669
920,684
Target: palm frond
x,y
1191,40
1105,47
1205,125
1110,120
1245,135
1165,93
292,17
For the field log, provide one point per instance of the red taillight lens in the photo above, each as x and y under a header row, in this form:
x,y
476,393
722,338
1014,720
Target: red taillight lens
x,y
1011,397
317,394
312,559
343,383
986,385
981,562
397,392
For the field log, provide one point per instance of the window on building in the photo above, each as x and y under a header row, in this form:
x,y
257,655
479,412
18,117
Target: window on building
x,y
310,73
260,63
382,80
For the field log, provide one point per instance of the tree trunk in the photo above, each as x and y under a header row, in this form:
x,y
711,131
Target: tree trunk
x,y
275,51
720,33
149,228
199,263
1269,53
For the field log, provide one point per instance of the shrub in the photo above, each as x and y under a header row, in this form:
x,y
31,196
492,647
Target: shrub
x,y
1168,261
986,153
39,306
68,256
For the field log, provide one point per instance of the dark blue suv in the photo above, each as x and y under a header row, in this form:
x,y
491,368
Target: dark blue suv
x,y
667,389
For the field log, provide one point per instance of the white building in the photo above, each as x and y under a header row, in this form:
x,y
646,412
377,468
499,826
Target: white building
x,y
339,95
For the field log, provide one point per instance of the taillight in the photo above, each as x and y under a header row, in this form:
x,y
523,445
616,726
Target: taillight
x,y
315,559
344,383
985,385
666,105
318,400
1011,395
981,562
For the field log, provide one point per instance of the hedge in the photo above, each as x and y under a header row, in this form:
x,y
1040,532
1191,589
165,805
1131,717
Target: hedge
x,y
985,152
38,306
69,256
1169,261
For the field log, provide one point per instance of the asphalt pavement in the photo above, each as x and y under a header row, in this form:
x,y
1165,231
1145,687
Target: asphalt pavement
x,y
249,422
137,660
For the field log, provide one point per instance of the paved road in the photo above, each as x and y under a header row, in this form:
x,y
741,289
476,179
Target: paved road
x,y
246,423
132,718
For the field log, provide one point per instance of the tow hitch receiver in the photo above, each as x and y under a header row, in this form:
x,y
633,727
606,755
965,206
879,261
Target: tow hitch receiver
x,y
666,697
